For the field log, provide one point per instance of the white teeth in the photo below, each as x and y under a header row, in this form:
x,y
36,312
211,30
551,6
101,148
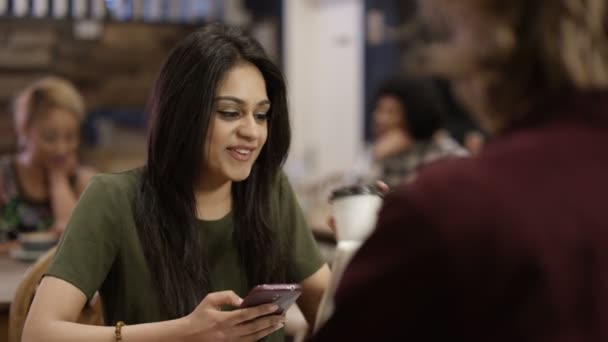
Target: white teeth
x,y
243,152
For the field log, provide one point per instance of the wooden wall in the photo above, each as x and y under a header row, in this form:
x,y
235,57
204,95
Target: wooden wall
x,y
114,70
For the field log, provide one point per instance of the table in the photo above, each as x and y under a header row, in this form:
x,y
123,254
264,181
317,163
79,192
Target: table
x,y
11,273
345,250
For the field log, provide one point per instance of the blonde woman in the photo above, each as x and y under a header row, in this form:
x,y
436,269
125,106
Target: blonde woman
x,y
41,182
510,244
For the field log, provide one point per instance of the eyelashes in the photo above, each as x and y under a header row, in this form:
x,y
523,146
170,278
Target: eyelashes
x,y
226,114
233,115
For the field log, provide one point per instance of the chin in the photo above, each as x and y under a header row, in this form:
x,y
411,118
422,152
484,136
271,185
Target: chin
x,y
239,176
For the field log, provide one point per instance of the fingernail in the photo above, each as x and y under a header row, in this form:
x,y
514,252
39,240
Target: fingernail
x,y
274,308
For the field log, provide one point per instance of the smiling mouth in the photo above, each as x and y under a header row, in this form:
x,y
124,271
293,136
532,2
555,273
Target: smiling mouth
x,y
241,154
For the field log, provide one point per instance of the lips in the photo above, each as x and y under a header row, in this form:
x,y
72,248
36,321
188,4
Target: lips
x,y
58,160
241,153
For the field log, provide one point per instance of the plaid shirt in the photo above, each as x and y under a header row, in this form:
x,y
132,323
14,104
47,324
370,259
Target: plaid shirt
x,y
403,166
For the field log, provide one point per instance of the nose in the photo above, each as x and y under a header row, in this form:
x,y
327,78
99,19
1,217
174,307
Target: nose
x,y
249,128
62,148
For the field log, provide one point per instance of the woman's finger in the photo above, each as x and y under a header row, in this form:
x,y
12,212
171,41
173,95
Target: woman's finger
x,y
257,325
331,222
244,315
263,333
218,299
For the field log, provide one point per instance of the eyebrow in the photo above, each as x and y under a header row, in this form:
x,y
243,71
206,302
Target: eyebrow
x,y
239,101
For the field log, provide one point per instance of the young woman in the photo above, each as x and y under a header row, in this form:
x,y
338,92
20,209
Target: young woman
x,y
210,215
42,181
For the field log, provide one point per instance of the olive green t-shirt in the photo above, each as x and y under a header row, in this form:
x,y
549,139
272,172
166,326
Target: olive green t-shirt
x,y
101,250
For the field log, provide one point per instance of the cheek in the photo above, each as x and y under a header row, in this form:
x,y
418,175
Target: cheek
x,y
40,150
38,144
74,143
263,137
211,149
396,118
380,117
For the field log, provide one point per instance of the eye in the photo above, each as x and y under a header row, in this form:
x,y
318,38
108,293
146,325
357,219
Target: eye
x,y
262,116
50,137
228,114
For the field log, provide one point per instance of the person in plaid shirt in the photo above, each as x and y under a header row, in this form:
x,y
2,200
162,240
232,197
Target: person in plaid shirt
x,y
407,121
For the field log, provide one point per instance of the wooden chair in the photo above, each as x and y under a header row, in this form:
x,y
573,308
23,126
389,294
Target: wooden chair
x,y
92,313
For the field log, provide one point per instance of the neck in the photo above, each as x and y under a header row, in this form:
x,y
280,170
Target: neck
x,y
213,199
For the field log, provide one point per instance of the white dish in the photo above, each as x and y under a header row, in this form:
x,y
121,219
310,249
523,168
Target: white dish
x,y
23,255
42,241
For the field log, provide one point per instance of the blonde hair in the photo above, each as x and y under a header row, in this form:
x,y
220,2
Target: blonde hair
x,y
533,50
43,95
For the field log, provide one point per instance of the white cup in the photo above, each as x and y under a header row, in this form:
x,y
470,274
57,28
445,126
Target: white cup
x,y
355,210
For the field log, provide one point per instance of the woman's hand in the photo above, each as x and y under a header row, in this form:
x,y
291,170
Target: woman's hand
x,y
61,168
391,143
209,323
62,193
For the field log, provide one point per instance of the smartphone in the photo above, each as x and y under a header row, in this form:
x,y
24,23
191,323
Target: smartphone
x,y
283,295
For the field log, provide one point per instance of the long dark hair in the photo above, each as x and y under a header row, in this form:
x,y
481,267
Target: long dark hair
x,y
181,107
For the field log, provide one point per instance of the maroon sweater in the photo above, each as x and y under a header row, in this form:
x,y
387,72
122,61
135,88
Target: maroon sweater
x,y
511,245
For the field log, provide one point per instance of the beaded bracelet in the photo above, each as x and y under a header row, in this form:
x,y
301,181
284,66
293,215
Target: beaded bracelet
x,y
117,332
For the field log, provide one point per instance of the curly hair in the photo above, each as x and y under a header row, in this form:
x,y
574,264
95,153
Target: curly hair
x,y
519,52
422,103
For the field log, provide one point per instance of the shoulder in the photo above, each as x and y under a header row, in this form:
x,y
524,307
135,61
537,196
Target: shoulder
x,y
123,184
449,172
280,184
283,198
282,193
84,174
281,179
449,189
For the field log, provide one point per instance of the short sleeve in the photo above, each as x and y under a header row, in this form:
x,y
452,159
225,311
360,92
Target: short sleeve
x,y
304,255
91,240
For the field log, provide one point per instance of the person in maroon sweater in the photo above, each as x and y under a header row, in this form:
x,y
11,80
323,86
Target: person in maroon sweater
x,y
511,244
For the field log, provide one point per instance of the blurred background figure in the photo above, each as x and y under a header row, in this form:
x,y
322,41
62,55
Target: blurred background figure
x,y
41,182
407,126
510,244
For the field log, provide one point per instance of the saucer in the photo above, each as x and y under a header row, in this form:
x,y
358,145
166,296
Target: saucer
x,y
25,255
39,241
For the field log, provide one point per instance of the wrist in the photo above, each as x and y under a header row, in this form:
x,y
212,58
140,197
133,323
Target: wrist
x,y
178,330
184,329
56,176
